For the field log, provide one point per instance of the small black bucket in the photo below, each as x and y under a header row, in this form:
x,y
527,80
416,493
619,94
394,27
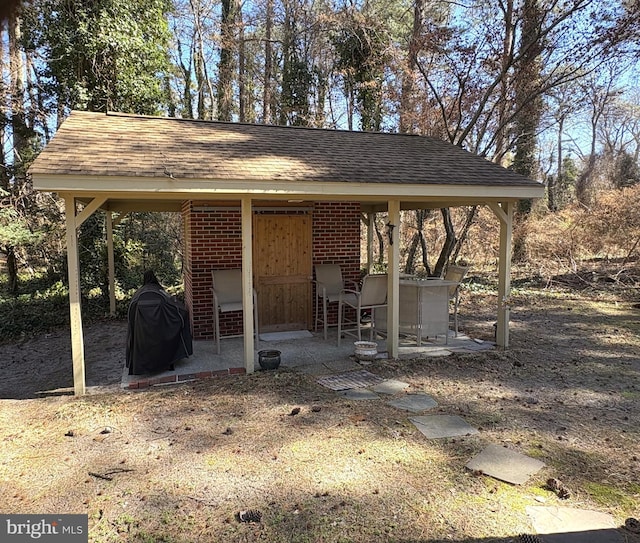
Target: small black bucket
x,y
269,359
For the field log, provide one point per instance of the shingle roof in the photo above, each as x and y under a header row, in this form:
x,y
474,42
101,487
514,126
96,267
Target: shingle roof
x,y
95,144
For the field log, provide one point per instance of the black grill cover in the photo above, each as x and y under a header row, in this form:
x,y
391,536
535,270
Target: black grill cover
x,y
159,333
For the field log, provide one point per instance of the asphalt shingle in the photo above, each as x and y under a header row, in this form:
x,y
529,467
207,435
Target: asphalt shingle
x,y
95,144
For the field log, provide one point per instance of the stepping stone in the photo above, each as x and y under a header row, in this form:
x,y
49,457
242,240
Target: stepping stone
x,y
352,379
570,525
390,386
415,403
504,464
436,426
423,352
359,394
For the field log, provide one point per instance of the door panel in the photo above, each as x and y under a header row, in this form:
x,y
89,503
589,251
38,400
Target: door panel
x,y
282,270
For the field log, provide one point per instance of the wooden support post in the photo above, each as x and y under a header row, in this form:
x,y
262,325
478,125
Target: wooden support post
x,y
111,265
393,269
73,264
247,285
504,212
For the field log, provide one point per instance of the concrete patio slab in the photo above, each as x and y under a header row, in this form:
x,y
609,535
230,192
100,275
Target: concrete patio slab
x,y
423,352
439,426
283,336
416,403
390,387
299,354
205,363
359,394
571,525
505,464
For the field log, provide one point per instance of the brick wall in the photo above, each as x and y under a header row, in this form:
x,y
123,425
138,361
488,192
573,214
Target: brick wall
x,y
336,240
213,240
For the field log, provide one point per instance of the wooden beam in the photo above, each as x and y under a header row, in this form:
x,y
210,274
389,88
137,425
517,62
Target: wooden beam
x,y
370,231
89,210
73,264
111,264
498,211
505,214
111,222
393,288
247,285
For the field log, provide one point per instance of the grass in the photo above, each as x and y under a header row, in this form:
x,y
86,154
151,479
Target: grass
x,y
621,499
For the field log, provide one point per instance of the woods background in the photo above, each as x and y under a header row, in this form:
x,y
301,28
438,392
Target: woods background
x,y
546,87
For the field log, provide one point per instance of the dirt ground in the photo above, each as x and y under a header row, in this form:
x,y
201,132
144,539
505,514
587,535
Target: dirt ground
x,y
41,366
176,463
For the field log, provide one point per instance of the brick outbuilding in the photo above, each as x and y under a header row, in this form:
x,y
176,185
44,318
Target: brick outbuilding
x,y
271,200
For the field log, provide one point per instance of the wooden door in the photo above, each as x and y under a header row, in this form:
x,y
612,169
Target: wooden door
x,y
282,270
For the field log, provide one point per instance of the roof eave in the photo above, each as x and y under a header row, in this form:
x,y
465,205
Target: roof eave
x,y
169,188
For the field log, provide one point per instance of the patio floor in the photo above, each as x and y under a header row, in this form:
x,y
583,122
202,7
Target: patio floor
x,y
311,355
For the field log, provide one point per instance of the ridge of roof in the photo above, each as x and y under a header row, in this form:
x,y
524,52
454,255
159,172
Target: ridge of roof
x,y
258,125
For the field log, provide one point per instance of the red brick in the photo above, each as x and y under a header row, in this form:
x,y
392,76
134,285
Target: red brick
x,y
164,379
213,240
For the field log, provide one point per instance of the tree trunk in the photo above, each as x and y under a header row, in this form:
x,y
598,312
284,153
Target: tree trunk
x,y
16,68
171,108
206,98
242,73
268,66
529,106
198,63
418,240
528,99
4,113
554,183
226,63
18,130
407,98
449,243
410,264
380,239
504,102
472,213
12,270
185,68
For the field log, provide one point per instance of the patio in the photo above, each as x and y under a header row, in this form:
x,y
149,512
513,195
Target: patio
x,y
310,354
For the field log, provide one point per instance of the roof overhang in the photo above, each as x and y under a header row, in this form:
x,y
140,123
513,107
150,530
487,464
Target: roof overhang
x,y
166,194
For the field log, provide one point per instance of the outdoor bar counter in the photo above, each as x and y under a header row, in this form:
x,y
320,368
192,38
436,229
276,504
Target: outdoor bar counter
x,y
424,308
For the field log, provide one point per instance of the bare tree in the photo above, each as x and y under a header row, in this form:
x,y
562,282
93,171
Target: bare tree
x,y
267,96
228,50
600,92
407,121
